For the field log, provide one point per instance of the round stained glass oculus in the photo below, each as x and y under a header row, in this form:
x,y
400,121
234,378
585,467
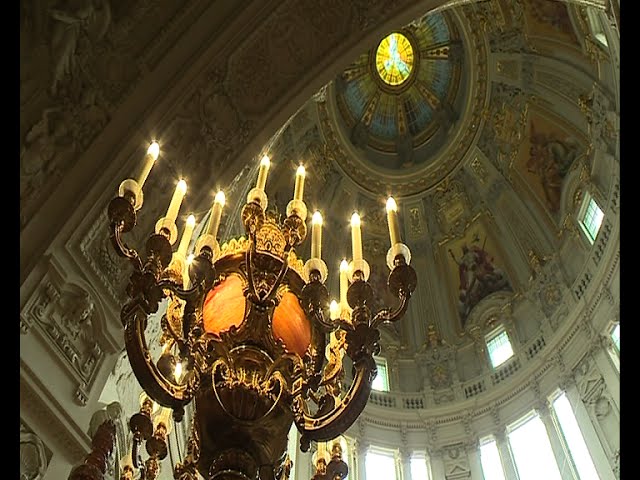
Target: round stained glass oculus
x,y
394,59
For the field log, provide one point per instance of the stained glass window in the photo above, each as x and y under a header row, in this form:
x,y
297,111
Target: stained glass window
x,y
394,59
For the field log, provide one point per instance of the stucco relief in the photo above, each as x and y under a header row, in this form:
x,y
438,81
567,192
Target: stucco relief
x,y
285,45
206,130
504,124
456,462
437,360
73,74
34,455
66,316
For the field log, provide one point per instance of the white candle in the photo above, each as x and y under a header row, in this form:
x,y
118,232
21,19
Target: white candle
x,y
356,237
392,220
178,195
316,235
262,173
334,310
186,236
216,213
299,187
150,158
344,285
185,273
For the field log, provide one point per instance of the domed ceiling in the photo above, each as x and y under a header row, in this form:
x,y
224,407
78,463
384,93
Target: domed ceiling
x,y
395,98
480,121
404,112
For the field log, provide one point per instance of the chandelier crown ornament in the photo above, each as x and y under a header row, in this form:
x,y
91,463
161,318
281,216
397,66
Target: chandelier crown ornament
x,y
249,336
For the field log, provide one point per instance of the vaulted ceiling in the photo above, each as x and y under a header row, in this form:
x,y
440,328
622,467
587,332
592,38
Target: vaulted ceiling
x,y
507,117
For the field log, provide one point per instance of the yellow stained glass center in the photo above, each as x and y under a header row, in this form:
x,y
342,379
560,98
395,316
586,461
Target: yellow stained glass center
x,y
394,59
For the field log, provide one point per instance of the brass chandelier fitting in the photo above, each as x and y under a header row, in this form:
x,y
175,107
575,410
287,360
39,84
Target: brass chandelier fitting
x,y
248,326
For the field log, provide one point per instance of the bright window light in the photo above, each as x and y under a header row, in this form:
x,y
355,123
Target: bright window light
x,y
380,466
532,451
381,382
499,349
292,448
490,460
591,218
419,468
575,440
615,336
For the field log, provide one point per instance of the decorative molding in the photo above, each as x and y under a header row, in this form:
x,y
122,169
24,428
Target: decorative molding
x,y
43,413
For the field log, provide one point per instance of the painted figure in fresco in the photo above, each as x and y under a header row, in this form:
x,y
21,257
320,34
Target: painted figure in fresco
x,y
550,159
478,276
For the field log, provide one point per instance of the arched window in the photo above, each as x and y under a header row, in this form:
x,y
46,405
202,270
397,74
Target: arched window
x,y
572,435
532,451
380,464
381,382
590,218
498,347
490,460
420,468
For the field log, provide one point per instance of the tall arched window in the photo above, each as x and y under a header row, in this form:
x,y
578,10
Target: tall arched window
x,y
380,464
573,438
532,451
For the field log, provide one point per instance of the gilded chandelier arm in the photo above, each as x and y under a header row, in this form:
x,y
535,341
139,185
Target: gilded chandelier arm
x,y
163,391
122,218
402,282
391,315
329,425
314,299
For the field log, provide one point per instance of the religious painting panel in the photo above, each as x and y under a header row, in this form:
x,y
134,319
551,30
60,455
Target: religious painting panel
x,y
549,151
475,266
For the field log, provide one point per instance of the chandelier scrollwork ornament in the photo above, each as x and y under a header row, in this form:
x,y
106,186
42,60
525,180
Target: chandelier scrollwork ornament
x,y
248,337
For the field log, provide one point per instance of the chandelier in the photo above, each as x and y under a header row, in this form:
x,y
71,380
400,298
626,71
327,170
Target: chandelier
x,y
249,336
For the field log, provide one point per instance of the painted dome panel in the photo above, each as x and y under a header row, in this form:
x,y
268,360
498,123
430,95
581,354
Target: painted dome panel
x,y
437,74
419,114
436,29
357,95
383,123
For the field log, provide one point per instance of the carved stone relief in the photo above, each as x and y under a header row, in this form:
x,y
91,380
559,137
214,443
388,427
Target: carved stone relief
x,y
65,316
456,462
453,208
437,361
34,455
488,15
503,128
114,412
602,120
79,61
596,398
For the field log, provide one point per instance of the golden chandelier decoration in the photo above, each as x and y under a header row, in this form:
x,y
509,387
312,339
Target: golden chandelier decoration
x,y
249,337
